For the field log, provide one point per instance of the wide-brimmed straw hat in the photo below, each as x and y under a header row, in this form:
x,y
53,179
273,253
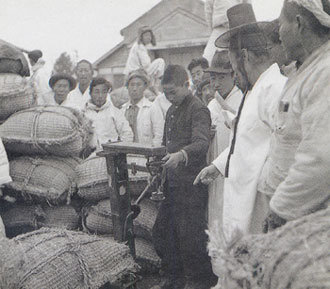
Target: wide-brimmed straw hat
x,y
220,63
59,76
244,29
139,73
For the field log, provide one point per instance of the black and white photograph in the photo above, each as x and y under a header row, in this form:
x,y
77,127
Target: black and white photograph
x,y
164,144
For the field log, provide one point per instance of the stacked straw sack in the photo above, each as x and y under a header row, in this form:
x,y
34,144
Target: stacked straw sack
x,y
44,145
57,258
46,142
295,256
16,93
53,187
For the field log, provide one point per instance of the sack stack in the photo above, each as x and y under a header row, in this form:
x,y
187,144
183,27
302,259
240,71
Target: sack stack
x,y
16,91
16,94
47,142
47,173
92,183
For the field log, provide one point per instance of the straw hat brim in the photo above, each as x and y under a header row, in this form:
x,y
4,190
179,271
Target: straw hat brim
x,y
57,77
218,70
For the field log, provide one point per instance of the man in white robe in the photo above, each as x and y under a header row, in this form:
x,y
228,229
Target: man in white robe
x,y
223,84
78,97
296,173
241,164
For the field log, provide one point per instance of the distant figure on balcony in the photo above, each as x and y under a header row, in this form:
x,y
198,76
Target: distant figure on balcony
x,y
216,18
139,57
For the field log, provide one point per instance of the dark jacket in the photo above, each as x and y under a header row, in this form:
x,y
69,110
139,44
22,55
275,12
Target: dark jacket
x,y
187,127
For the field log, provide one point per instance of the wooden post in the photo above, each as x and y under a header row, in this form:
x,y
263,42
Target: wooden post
x,y
120,199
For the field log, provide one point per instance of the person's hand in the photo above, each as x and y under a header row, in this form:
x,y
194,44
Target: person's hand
x,y
272,222
173,160
207,175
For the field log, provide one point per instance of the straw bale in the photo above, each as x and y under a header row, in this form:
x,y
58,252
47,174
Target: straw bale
x,y
294,256
64,217
92,179
145,221
146,256
44,179
16,93
57,258
46,130
97,219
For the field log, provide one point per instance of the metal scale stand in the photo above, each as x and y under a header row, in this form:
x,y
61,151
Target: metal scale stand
x,y
122,210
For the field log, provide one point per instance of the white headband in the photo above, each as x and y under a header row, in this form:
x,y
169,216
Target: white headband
x,y
316,7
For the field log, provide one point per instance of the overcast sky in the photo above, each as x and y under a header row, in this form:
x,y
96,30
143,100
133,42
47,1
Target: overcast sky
x,y
88,27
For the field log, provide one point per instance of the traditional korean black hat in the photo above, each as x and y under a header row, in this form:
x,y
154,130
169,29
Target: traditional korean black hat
x,y
244,30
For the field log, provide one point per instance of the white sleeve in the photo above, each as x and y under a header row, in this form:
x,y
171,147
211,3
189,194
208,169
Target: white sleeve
x,y
221,160
123,128
42,88
157,123
208,11
307,184
268,100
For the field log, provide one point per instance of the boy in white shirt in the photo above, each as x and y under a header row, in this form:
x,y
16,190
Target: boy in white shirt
x,y
109,123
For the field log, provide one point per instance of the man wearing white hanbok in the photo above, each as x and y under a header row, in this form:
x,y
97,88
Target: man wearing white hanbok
x,y
223,84
78,97
296,173
242,162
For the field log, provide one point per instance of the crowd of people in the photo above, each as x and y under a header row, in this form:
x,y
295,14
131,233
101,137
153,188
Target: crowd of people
x,y
247,140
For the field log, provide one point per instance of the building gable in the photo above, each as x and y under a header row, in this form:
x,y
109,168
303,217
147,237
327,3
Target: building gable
x,y
156,15
180,25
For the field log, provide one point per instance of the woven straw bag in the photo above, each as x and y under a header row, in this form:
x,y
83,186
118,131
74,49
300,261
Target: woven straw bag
x,y
97,219
16,93
57,258
44,179
46,130
64,217
92,179
145,221
146,256
295,256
